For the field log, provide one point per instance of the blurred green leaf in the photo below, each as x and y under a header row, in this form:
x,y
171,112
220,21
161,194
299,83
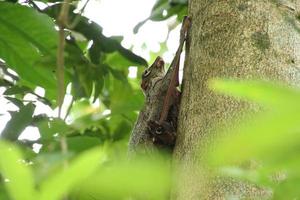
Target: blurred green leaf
x,y
287,189
149,178
250,175
271,135
18,122
269,94
3,192
56,186
19,184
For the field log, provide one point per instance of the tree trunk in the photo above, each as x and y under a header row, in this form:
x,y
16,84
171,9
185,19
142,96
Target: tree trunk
x,y
247,39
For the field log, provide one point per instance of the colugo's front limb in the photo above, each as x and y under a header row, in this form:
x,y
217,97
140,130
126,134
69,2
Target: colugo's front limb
x,y
171,79
163,131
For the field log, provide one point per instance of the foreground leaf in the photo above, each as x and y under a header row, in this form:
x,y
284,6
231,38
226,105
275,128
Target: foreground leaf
x,y
58,185
119,180
20,185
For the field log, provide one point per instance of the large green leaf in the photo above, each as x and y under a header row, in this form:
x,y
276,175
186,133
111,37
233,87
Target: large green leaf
x,y
19,121
20,184
26,37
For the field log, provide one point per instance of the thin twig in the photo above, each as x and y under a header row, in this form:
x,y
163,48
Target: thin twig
x,y
69,109
78,16
62,20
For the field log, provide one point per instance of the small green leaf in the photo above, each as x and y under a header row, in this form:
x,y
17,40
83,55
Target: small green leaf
x,y
16,90
20,184
161,6
18,122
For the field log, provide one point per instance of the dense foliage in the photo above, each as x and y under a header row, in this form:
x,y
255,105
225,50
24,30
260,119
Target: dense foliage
x,y
92,164
100,107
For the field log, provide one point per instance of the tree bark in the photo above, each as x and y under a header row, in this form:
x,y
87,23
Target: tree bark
x,y
247,39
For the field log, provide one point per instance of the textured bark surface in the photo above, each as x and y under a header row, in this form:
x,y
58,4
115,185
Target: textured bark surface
x,y
248,39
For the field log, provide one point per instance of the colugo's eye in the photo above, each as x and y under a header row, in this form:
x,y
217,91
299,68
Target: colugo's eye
x,y
159,130
146,73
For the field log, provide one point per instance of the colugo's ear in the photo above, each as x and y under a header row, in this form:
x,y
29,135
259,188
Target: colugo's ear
x,y
159,62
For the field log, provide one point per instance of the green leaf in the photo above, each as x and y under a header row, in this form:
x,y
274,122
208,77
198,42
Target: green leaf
x,y
58,185
26,36
157,13
20,185
18,122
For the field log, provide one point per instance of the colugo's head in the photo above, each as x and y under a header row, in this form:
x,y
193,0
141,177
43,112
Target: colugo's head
x,y
155,70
